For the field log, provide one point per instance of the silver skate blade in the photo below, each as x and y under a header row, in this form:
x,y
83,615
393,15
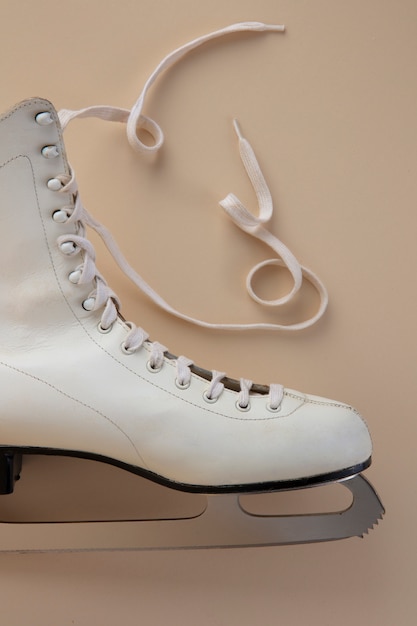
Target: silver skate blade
x,y
222,524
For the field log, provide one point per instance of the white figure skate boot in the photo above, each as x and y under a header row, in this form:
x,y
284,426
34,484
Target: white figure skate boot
x,y
77,379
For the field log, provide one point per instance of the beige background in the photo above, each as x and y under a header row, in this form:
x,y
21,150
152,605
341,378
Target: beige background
x,y
330,108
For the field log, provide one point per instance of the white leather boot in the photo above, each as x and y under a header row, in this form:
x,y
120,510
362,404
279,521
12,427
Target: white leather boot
x,y
76,379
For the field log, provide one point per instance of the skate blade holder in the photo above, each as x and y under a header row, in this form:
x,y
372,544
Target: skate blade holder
x,y
66,504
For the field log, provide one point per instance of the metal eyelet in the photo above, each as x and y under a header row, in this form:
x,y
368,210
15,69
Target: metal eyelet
x,y
68,247
126,350
152,368
88,304
208,399
74,277
182,386
44,118
273,409
50,152
60,216
244,409
54,184
103,330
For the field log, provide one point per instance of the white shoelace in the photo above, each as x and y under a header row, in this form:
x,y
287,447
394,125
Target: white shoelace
x,y
104,297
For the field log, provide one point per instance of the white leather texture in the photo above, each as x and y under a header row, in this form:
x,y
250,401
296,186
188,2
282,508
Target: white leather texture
x,y
66,385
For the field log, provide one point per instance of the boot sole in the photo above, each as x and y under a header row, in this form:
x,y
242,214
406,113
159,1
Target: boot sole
x,y
11,462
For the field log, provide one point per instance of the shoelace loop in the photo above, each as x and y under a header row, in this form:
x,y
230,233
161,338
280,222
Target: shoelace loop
x,y
241,216
134,119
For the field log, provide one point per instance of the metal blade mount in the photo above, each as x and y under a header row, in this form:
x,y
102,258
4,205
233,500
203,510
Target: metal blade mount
x,y
222,524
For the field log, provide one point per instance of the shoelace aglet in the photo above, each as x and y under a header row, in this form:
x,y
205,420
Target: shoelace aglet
x,y
275,27
260,26
237,128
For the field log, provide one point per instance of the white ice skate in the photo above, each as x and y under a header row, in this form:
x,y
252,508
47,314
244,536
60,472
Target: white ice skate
x,y
76,379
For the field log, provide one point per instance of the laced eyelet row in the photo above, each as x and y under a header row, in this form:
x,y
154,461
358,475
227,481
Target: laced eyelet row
x,y
186,384
136,336
61,216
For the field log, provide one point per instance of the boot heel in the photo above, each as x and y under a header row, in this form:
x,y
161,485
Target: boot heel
x,y
10,468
